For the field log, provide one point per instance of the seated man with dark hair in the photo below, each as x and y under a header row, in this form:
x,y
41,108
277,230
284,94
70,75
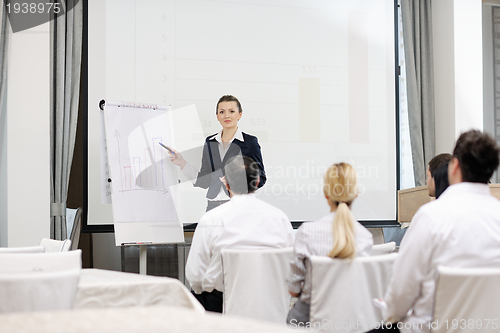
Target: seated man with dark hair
x,y
244,222
461,229
434,164
437,182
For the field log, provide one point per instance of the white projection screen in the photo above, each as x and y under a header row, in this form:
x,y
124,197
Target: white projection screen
x,y
316,80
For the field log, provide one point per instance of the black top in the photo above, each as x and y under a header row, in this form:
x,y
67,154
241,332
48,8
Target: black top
x,y
209,178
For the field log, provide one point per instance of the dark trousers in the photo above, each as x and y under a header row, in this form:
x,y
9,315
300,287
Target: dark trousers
x,y
212,204
211,301
299,314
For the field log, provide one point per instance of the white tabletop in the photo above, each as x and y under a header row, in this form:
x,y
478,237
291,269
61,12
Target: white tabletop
x,y
103,288
153,319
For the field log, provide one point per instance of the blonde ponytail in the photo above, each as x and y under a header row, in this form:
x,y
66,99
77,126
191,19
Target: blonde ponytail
x,y
340,189
344,236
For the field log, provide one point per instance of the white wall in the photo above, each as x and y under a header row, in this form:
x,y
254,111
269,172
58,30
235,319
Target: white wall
x,y
25,140
444,74
458,71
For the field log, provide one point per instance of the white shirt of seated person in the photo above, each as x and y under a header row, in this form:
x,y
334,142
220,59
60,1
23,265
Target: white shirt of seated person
x,y
245,222
461,229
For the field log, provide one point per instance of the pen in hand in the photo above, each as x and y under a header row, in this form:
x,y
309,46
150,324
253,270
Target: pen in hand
x,y
167,148
175,157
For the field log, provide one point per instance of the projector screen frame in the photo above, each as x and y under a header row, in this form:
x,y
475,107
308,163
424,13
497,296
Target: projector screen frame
x,y
107,228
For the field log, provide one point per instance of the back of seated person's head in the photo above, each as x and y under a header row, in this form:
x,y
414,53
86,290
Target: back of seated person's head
x,y
478,156
242,174
340,189
441,179
437,161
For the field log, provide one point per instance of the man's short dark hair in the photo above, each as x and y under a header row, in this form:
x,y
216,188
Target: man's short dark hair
x,y
438,161
478,156
242,174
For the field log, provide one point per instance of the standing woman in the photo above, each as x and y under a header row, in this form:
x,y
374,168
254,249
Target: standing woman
x,y
218,149
337,235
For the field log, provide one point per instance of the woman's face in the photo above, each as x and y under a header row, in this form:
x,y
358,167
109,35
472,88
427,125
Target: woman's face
x,y
228,114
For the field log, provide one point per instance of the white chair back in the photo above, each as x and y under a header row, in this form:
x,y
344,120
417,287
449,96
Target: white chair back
x,y
342,291
70,221
385,248
74,226
467,300
40,262
255,283
23,249
38,291
52,245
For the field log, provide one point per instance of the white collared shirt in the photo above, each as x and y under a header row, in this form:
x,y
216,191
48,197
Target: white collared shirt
x,y
244,222
460,229
191,173
316,238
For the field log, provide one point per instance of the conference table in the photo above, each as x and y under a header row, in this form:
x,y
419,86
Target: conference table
x,y
100,288
151,319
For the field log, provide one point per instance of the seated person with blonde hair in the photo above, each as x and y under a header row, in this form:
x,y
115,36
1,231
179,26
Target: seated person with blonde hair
x,y
337,235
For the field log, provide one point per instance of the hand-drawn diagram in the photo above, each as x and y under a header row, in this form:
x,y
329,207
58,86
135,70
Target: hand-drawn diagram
x,y
140,169
147,170
145,191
